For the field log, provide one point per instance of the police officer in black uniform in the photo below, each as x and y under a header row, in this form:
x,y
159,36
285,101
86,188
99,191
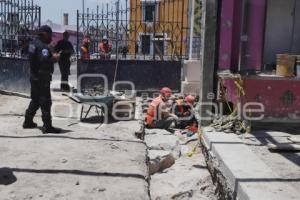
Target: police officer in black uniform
x,y
41,70
66,48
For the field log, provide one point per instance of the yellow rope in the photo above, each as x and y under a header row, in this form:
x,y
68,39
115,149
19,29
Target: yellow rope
x,y
239,83
190,154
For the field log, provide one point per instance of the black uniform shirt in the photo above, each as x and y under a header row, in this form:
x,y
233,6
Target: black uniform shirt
x,y
41,62
66,49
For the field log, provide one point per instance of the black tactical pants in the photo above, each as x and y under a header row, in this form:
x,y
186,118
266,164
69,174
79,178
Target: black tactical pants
x,y
64,66
40,98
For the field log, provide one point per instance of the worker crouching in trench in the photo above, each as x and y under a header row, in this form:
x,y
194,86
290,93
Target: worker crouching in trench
x,y
158,113
184,110
161,115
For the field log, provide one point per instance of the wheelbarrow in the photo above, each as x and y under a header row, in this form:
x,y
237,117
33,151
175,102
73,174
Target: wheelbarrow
x,y
101,104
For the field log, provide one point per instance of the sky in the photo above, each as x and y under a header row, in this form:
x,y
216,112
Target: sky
x,y
54,9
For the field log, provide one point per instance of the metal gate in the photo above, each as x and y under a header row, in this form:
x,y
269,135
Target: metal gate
x,y
148,38
19,19
138,29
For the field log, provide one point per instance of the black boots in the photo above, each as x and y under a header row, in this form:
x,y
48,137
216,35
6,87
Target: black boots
x,y
48,128
29,124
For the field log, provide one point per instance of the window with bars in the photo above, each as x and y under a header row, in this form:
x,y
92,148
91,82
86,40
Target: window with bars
x,y
150,12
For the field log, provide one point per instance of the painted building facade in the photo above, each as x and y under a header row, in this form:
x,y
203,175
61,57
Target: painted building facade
x,y
159,27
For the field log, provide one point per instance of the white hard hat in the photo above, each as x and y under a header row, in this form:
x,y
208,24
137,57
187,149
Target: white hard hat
x,y
104,37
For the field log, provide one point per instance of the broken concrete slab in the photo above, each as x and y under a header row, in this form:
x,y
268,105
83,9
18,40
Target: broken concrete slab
x,y
160,160
241,174
187,179
157,139
163,149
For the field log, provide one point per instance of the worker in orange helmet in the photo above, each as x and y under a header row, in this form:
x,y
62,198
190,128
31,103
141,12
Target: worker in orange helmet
x,y
190,100
184,110
105,49
158,114
85,52
192,123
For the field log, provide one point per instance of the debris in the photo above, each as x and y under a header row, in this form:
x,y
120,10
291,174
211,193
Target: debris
x,y
284,147
77,183
162,140
113,146
230,124
160,160
97,90
99,189
181,181
190,134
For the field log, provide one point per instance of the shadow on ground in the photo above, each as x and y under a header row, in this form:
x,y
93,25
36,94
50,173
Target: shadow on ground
x,y
7,177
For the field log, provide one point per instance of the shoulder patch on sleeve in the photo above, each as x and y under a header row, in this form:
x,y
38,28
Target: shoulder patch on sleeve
x,y
45,52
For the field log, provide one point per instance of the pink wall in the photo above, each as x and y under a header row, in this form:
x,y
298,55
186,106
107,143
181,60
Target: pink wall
x,y
255,31
279,96
230,31
226,34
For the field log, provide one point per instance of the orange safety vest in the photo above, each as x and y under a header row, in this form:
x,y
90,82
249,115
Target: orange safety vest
x,y
152,110
180,105
85,54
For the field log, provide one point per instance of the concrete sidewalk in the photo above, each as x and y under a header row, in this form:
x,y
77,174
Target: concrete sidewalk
x,y
244,169
83,163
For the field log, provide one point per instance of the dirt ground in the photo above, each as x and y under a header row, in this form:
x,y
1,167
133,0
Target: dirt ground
x,y
82,163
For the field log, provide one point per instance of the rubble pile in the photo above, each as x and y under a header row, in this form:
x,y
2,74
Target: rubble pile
x,y
230,124
97,90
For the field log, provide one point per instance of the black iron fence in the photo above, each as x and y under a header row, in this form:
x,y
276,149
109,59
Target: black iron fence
x,y
138,29
19,19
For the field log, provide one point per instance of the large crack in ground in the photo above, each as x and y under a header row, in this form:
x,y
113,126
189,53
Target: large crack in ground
x,y
173,174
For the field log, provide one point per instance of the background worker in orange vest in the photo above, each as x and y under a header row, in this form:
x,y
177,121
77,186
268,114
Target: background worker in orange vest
x,y
158,115
184,110
85,52
105,49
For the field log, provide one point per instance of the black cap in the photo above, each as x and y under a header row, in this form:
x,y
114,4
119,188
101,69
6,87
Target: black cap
x,y
45,29
66,33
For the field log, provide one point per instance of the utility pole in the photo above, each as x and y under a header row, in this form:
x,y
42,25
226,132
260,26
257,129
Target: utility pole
x,y
117,26
83,9
117,40
192,28
208,58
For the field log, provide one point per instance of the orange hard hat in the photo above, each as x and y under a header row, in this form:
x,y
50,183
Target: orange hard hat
x,y
190,99
166,91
